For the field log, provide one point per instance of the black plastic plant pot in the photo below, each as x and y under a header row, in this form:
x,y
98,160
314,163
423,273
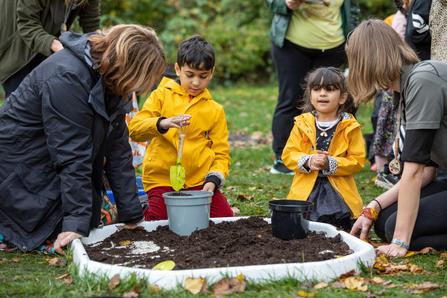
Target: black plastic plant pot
x,y
290,218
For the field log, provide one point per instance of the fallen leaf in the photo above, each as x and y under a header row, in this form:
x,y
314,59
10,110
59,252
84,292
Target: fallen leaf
x,y
68,280
16,260
194,285
355,283
53,262
307,284
221,288
231,187
285,187
274,199
252,188
155,289
338,285
304,294
166,265
125,243
320,285
3,261
409,254
429,250
348,274
64,275
122,227
444,255
440,264
130,295
205,289
238,283
137,290
114,281
379,281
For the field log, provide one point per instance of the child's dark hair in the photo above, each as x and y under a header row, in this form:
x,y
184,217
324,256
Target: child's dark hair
x,y
194,51
400,6
324,77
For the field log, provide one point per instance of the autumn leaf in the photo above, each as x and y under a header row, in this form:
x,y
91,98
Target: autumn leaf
x,y
53,262
114,281
379,281
429,250
130,295
355,283
338,285
304,294
222,287
166,265
4,260
320,285
231,187
274,199
125,243
440,264
349,273
123,227
421,288
238,283
194,285
285,187
16,260
409,254
68,280
64,275
155,289
242,198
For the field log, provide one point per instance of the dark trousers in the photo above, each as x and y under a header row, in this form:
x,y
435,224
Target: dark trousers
x,y
292,63
430,228
11,84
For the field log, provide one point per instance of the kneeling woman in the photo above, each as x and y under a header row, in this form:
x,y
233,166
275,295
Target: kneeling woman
x,y
56,130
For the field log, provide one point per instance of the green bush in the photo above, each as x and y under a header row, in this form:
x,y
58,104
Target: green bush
x,y
238,30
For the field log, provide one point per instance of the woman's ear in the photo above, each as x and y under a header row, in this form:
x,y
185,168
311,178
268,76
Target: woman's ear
x,y
343,98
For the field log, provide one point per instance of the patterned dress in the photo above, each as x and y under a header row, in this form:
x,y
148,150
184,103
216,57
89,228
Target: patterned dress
x,y
386,126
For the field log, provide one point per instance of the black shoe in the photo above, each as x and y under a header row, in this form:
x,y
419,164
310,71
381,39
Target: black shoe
x,y
280,168
382,182
393,179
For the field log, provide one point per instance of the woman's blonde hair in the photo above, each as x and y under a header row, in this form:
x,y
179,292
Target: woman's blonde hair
x,y
129,57
376,55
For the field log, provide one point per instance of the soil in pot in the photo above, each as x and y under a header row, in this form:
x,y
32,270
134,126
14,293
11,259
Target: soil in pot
x,y
180,194
240,243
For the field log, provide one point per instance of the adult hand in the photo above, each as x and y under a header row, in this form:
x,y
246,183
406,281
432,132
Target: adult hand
x,y
294,4
174,122
56,46
63,239
361,227
210,186
392,250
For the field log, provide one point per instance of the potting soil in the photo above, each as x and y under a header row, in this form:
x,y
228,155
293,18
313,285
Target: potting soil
x,y
238,243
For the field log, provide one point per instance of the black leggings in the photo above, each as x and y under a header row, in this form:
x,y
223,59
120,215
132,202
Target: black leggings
x,y
430,229
292,63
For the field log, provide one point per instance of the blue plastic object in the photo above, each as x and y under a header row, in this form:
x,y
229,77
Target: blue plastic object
x,y
141,191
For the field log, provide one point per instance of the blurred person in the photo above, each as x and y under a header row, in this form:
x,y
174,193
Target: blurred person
x,y
305,36
30,29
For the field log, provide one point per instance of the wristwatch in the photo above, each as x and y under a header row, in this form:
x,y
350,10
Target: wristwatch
x,y
400,243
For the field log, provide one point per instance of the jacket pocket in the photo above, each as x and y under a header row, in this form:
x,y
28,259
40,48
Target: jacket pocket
x,y
27,197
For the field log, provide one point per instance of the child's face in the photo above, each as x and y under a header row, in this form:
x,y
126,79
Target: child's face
x,y
194,81
326,100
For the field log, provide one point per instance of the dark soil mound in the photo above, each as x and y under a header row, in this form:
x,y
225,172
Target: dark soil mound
x,y
240,243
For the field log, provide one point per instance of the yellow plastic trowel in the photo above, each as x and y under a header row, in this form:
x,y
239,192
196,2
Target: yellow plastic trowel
x,y
177,174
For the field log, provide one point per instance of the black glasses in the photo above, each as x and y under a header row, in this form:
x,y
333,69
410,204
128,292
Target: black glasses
x,y
349,35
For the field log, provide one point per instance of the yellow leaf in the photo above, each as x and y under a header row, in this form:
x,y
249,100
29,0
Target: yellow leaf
x,y
355,283
409,254
62,276
194,285
114,281
125,243
440,264
304,294
155,289
429,250
53,261
166,265
241,277
444,255
414,268
320,285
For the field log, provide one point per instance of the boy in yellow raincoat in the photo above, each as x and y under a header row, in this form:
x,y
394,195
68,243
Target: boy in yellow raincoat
x,y
206,152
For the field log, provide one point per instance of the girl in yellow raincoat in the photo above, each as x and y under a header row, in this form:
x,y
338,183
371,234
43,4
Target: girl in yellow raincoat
x,y
325,149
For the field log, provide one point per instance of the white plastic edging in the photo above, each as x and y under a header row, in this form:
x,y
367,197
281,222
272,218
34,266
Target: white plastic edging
x,y
320,271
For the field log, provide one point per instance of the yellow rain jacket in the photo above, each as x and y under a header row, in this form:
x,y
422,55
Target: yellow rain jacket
x,y
346,147
206,147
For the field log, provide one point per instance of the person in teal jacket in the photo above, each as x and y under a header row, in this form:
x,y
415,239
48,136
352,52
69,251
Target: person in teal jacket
x,y
305,35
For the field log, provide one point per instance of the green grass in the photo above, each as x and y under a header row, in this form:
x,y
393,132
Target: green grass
x,y
248,109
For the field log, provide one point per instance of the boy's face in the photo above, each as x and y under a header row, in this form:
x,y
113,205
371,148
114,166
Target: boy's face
x,y
194,81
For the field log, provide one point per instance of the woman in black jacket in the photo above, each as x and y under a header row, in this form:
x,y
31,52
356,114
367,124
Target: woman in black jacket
x,y
64,126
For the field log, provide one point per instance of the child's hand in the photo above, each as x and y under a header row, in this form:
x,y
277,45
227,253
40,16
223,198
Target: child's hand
x,y
210,186
174,122
320,161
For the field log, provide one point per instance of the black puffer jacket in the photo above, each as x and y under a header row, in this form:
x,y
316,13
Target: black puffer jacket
x,y
55,131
